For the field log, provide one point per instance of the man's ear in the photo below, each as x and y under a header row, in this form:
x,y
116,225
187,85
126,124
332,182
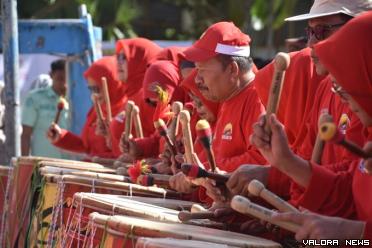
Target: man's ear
x,y
234,67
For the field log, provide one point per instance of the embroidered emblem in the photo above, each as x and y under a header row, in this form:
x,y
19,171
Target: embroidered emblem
x,y
227,132
344,122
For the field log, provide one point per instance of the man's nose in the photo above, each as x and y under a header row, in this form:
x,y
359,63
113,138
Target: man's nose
x,y
198,78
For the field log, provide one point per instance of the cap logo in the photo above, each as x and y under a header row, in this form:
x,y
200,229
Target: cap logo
x,y
233,50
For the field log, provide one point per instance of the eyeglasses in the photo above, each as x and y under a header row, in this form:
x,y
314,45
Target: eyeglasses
x,y
93,88
321,32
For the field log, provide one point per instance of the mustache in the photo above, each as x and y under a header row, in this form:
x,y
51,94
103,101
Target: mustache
x,y
201,86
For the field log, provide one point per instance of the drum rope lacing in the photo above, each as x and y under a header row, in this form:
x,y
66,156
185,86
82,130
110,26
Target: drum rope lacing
x,y
56,212
5,206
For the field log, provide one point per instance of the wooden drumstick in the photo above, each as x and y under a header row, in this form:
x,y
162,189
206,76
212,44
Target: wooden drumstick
x,y
204,134
256,188
101,119
245,206
186,215
97,108
330,132
60,106
104,161
281,63
194,171
128,120
162,129
154,179
107,99
197,208
187,139
137,121
173,127
316,156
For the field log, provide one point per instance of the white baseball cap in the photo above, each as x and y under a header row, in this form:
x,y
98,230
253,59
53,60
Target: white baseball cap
x,y
332,7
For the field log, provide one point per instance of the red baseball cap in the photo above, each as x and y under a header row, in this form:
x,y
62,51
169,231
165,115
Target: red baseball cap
x,y
221,37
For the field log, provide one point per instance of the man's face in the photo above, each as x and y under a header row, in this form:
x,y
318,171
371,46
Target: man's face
x,y
213,80
320,29
59,79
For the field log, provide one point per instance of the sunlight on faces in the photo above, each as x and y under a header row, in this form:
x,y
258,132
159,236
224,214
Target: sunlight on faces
x,y
122,67
353,105
95,89
214,81
202,110
325,33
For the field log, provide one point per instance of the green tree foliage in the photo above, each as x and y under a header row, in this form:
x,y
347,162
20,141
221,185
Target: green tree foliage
x,y
127,18
271,12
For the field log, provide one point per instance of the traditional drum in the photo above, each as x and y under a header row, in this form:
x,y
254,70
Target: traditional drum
x,y
123,231
27,185
85,203
56,194
176,243
5,180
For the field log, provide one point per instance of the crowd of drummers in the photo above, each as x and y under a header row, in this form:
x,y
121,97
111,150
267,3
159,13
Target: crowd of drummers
x,y
204,121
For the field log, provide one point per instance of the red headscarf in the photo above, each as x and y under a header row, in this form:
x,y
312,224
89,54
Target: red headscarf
x,y
189,85
139,52
164,74
173,53
106,67
348,57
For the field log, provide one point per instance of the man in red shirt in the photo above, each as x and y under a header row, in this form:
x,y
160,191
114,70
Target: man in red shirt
x,y
324,19
224,75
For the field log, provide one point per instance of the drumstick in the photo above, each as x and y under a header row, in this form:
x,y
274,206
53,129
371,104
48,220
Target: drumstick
x,y
60,106
204,134
256,188
245,206
128,120
330,132
316,156
101,120
173,127
153,179
281,63
186,132
97,108
137,121
186,215
162,129
197,208
107,99
104,161
194,171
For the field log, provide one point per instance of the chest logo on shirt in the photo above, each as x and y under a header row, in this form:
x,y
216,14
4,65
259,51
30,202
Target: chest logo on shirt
x,y
227,132
344,122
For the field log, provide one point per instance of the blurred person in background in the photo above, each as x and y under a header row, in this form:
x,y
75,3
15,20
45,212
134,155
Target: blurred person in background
x,y
39,110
